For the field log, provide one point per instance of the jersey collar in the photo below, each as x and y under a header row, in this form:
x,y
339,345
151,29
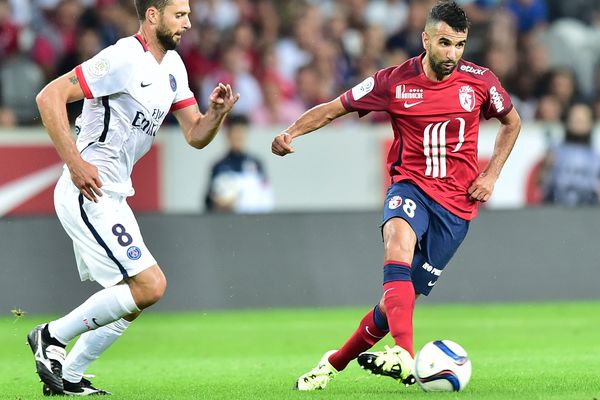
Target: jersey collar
x,y
142,41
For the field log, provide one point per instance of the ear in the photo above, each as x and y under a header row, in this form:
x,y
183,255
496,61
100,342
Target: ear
x,y
425,40
152,15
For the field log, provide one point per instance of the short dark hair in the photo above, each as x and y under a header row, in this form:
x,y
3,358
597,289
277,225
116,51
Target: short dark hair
x,y
141,6
450,13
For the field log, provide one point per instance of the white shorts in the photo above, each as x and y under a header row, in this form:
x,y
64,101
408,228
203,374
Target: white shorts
x,y
106,238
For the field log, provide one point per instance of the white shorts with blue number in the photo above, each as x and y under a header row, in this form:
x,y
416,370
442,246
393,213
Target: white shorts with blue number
x,y
106,238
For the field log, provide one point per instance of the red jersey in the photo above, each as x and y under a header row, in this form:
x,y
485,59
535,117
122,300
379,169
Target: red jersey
x,y
436,125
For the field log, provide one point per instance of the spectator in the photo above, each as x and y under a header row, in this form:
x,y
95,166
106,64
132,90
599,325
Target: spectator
x,y
340,41
223,14
8,119
202,55
389,15
297,51
276,109
235,71
409,37
105,19
309,88
561,84
531,15
570,173
549,110
244,37
237,181
9,31
89,45
57,36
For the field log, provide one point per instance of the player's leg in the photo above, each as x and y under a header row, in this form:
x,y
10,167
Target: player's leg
x,y
108,305
147,287
86,350
104,308
109,249
398,291
371,329
444,234
48,341
406,220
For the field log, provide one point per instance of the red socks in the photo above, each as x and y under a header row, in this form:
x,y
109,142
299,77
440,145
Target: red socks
x,y
365,336
399,302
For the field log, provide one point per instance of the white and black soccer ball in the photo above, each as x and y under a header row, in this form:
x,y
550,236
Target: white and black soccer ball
x,y
442,366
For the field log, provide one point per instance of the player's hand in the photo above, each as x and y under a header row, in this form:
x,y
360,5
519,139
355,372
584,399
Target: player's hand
x,y
481,189
282,144
222,98
85,177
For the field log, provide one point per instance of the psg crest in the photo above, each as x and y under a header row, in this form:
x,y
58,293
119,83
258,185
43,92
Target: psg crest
x,y
466,95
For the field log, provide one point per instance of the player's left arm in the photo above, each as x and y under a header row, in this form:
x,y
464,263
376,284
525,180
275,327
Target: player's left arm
x,y
481,189
200,129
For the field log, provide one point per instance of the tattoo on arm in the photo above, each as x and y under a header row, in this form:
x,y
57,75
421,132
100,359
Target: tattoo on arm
x,y
74,80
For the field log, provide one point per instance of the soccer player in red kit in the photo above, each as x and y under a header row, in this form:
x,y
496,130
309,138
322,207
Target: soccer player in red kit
x,y
435,102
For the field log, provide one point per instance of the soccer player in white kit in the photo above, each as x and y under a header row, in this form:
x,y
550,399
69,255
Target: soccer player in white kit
x,y
129,88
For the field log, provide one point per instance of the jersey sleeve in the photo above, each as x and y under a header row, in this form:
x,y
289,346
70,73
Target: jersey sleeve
x,y
372,94
106,73
184,97
497,102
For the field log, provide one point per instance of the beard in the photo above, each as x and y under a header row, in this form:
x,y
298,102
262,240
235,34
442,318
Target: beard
x,y
166,37
439,68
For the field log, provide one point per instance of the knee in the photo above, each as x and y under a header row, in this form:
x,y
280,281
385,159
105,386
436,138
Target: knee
x,y
399,251
156,290
149,292
399,241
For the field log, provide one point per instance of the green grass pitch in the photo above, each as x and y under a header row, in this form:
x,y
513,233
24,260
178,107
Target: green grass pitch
x,y
519,351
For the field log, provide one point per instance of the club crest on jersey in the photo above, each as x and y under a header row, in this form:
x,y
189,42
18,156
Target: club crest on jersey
x,y
466,95
99,68
395,202
173,82
134,253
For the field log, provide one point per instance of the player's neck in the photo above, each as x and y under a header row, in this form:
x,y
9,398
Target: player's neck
x,y
430,73
152,43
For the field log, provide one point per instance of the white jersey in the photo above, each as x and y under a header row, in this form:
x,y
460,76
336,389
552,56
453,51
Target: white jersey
x,y
128,94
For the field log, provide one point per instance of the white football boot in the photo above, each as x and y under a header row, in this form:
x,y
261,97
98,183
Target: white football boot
x,y
394,362
318,377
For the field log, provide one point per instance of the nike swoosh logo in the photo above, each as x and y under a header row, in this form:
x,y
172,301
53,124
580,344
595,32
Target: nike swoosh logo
x,y
145,84
16,192
375,336
409,105
431,284
97,324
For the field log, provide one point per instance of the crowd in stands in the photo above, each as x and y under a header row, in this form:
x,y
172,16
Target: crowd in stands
x,y
288,55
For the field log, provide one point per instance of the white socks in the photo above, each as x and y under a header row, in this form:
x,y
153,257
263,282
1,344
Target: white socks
x,y
89,347
100,309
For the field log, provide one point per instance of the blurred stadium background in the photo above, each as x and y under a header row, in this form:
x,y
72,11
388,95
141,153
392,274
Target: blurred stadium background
x,y
320,246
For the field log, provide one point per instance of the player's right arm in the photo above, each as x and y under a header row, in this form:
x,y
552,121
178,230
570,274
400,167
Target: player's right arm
x,y
52,103
311,120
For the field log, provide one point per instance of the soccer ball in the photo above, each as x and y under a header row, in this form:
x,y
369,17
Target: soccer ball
x,y
442,366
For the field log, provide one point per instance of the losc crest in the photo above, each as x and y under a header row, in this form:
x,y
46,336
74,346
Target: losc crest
x,y
466,95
